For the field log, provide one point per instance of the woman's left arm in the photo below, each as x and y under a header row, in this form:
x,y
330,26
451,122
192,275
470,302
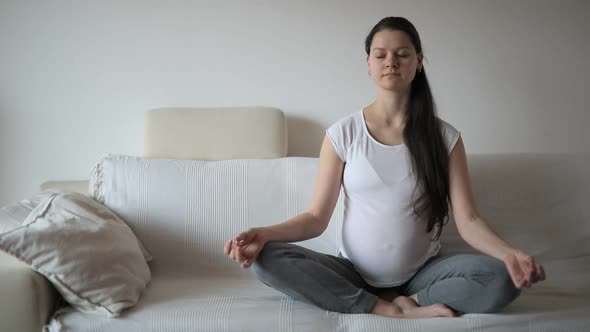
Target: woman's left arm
x,y
477,232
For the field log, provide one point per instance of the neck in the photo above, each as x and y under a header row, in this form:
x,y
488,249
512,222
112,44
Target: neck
x,y
391,107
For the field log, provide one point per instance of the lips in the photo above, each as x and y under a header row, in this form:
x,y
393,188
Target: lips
x,y
391,74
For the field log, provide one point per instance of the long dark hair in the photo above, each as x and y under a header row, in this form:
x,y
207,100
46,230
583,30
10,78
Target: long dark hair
x,y
423,137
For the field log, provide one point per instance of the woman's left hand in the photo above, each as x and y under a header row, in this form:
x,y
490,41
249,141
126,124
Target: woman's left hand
x,y
523,269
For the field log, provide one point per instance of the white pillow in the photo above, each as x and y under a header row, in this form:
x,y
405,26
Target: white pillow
x,y
13,215
85,250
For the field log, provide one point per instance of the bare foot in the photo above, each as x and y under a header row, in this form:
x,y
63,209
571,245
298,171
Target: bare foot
x,y
406,303
404,307
411,309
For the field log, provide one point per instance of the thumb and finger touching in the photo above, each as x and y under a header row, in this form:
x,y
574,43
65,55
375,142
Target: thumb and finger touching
x,y
245,237
524,271
517,274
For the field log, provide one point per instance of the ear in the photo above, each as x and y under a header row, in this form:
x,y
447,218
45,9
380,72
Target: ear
x,y
420,59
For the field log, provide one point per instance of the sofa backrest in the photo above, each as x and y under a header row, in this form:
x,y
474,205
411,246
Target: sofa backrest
x,y
185,210
537,202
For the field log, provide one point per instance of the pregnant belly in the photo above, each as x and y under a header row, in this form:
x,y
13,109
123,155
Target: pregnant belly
x,y
387,254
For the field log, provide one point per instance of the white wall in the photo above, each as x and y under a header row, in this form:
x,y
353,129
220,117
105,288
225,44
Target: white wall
x,y
76,76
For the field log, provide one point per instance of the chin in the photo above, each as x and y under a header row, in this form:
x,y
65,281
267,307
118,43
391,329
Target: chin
x,y
393,87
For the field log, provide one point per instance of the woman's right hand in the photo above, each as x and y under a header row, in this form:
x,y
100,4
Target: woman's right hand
x,y
244,248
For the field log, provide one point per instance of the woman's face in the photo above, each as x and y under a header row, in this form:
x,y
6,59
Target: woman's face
x,y
393,60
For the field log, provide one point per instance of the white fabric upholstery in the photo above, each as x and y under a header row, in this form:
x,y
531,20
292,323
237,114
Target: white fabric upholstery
x,y
536,202
184,211
211,303
216,133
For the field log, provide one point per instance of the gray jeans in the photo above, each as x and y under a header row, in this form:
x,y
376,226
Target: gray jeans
x,y
465,283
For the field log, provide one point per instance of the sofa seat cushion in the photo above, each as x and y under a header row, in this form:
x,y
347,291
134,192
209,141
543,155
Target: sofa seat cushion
x,y
185,210
213,303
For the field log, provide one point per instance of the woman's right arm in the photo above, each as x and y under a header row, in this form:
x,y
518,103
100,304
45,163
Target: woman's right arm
x,y
314,221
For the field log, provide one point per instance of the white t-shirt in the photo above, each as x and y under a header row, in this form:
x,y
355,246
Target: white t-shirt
x,y
381,235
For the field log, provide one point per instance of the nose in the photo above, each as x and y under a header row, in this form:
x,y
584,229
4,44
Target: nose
x,y
392,62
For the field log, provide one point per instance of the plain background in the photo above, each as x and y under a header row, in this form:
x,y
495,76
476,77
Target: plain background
x,y
77,76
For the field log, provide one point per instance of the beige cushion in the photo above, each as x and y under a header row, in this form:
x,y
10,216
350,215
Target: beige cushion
x,y
215,134
85,250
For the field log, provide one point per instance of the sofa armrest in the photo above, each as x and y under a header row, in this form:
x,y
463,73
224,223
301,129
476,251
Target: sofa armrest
x,y
80,186
27,299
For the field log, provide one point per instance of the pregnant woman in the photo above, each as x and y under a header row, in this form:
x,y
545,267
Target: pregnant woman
x,y
399,166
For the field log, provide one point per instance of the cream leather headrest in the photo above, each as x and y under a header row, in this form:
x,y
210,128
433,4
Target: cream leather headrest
x,y
215,133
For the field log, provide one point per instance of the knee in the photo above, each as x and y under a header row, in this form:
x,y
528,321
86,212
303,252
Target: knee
x,y
268,260
500,290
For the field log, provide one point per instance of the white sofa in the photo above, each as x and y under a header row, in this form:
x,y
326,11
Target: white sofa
x,y
27,299
184,210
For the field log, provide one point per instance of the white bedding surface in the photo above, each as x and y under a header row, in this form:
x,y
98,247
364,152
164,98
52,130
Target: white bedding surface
x,y
187,303
184,211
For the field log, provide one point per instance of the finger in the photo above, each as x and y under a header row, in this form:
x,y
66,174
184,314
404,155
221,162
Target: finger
x,y
239,256
241,237
227,247
525,265
515,271
529,269
233,252
516,279
541,272
244,237
250,260
538,275
530,264
531,276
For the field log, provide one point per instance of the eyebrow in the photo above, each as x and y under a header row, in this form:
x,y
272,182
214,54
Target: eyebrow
x,y
382,49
